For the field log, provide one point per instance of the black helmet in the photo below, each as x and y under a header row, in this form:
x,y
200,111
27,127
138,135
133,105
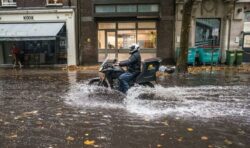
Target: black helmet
x,y
134,48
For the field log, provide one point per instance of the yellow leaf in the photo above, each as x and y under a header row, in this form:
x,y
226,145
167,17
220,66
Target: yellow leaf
x,y
190,129
12,136
89,142
204,138
228,142
180,139
69,138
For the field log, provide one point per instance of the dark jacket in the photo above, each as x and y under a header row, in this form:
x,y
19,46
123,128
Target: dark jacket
x,y
133,63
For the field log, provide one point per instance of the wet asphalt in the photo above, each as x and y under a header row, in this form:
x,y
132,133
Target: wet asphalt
x,y
51,108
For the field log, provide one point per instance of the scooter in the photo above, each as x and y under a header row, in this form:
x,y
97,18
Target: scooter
x,y
109,74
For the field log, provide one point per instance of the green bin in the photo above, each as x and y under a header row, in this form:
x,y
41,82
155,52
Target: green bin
x,y
230,57
239,57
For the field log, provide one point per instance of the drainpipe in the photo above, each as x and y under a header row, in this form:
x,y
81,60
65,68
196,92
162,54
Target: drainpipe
x,y
230,27
229,33
79,31
69,3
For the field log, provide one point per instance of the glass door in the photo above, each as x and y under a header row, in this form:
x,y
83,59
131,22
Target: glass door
x,y
111,49
246,47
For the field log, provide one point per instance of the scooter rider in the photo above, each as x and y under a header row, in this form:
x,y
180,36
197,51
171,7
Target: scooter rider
x,y
133,68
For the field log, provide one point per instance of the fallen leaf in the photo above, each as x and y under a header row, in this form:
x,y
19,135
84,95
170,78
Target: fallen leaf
x,y
241,132
210,146
59,114
159,145
39,123
180,139
17,117
204,138
30,113
228,142
6,123
165,123
190,129
12,136
69,138
89,142
162,134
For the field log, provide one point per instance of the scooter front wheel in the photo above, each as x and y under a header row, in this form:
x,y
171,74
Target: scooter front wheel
x,y
148,84
98,82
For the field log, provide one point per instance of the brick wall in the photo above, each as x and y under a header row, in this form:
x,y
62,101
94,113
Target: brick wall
x,y
88,50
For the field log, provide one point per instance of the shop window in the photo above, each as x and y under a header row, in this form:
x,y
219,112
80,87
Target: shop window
x,y
111,40
147,25
126,25
126,38
8,2
246,41
207,32
126,8
126,34
148,8
101,40
105,8
147,38
54,2
107,25
247,16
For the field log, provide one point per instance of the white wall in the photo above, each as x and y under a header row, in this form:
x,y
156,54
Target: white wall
x,y
55,15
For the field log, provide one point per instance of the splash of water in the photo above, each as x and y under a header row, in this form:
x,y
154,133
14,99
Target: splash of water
x,y
200,101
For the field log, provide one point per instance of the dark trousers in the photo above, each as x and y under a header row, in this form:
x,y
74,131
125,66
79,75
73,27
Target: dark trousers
x,y
124,80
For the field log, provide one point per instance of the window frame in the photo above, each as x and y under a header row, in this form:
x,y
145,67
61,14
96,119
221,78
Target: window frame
x,y
136,30
54,4
8,4
134,5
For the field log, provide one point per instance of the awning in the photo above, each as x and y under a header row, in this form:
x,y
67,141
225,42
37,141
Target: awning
x,y
29,31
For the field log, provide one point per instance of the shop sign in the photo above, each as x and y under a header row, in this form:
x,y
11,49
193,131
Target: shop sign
x,y
27,18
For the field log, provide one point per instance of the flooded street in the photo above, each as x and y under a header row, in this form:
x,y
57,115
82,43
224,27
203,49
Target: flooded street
x,y
56,109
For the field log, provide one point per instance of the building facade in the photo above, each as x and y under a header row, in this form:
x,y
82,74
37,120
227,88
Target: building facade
x,y
109,27
246,35
43,30
217,23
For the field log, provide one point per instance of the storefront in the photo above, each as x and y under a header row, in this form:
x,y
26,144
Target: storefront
x,y
108,28
214,23
43,37
246,38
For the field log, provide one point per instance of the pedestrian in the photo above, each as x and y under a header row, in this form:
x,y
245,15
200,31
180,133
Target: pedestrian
x,y
15,51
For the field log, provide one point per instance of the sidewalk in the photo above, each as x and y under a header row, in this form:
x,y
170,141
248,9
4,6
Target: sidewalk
x,y
245,68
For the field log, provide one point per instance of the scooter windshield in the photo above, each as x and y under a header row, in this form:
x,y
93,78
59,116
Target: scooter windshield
x,y
103,63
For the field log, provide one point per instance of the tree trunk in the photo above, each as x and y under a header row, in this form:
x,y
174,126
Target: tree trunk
x,y
182,66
